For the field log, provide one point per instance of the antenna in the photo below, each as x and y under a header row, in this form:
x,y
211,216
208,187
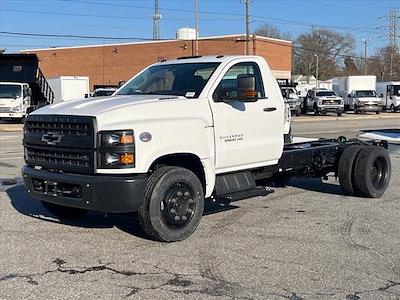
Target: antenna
x,y
156,22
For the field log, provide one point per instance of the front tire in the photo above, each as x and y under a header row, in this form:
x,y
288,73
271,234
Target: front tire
x,y
64,212
173,204
316,111
392,108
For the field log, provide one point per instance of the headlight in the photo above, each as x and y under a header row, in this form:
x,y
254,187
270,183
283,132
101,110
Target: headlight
x,y
116,149
319,102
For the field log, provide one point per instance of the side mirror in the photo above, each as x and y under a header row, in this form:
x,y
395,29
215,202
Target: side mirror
x,y
246,88
381,95
349,95
86,95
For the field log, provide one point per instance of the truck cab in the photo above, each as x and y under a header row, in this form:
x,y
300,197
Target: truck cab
x,y
14,99
390,94
322,101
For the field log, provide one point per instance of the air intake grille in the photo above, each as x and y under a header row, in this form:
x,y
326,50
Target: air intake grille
x,y
61,143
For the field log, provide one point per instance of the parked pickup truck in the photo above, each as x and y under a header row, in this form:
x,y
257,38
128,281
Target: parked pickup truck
x,y
290,96
322,101
180,132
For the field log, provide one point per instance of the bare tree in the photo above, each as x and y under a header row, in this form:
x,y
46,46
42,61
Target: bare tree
x,y
331,47
385,63
271,31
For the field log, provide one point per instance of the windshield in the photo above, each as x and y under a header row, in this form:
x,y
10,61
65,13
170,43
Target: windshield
x,y
326,93
10,91
397,90
102,93
186,80
361,94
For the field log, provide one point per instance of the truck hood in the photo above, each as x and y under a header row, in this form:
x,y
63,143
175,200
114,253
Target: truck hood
x,y
330,98
130,108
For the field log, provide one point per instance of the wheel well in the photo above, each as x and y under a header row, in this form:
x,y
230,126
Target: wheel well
x,y
184,160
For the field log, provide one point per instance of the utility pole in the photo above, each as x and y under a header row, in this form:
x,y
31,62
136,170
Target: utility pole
x,y
365,41
393,35
196,26
247,27
156,22
317,69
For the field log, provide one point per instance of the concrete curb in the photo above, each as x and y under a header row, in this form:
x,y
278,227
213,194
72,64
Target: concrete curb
x,y
343,118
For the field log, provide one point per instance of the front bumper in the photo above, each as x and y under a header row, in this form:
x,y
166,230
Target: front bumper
x,y
108,194
369,107
331,108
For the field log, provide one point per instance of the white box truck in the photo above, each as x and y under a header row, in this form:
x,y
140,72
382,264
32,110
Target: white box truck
x,y
67,88
358,93
390,93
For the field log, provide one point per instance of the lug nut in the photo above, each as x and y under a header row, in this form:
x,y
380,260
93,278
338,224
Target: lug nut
x,y
186,194
179,194
191,201
174,201
184,218
172,211
189,211
177,218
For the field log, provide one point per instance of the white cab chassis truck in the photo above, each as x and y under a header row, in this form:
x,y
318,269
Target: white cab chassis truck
x,y
180,132
358,93
390,93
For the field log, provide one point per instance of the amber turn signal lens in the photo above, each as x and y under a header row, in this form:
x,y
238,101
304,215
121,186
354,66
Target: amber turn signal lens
x,y
126,139
127,158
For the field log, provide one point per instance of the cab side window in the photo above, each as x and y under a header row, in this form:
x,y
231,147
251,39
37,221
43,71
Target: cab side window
x,y
228,83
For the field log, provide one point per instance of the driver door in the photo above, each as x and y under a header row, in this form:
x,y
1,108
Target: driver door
x,y
244,132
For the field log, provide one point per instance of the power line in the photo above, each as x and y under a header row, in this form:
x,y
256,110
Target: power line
x,y
255,17
72,36
313,50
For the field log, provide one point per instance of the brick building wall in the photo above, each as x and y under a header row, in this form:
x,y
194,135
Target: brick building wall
x,y
112,63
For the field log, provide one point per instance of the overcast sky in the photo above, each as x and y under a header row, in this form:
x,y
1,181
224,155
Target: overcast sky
x,y
133,19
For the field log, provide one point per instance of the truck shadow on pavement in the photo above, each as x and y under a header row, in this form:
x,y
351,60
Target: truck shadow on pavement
x,y
128,222
316,185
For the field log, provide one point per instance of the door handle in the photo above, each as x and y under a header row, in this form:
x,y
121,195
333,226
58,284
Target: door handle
x,y
267,109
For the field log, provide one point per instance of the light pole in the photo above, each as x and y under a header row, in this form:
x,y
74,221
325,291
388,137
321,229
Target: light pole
x,y
196,26
317,69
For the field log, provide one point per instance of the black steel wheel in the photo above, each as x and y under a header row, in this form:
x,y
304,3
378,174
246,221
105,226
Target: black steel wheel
x,y
173,204
372,171
178,205
64,212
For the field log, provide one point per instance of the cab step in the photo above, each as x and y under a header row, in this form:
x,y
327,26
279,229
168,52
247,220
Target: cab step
x,y
236,196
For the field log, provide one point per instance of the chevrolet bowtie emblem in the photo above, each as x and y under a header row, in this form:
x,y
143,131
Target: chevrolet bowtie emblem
x,y
51,138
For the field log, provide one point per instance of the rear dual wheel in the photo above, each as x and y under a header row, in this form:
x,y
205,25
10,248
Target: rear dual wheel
x,y
364,171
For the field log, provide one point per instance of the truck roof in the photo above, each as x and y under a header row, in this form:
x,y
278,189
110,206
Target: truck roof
x,y
206,59
11,83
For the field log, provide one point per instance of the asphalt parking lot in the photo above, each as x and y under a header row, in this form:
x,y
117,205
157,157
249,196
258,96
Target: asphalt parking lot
x,y
305,241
